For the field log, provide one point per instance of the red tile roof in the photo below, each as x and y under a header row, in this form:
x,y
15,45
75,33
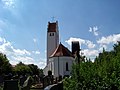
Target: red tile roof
x,y
52,27
61,51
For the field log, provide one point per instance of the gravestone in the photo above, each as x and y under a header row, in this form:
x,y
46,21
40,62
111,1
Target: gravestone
x,y
36,79
58,86
11,85
1,79
22,79
48,80
27,84
45,83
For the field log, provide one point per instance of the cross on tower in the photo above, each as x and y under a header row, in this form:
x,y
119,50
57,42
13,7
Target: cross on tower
x,y
53,19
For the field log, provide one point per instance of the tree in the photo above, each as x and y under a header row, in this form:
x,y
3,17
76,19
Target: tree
x,y
22,69
5,66
34,69
103,74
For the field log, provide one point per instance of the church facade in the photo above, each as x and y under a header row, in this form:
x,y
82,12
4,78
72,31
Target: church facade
x,y
59,58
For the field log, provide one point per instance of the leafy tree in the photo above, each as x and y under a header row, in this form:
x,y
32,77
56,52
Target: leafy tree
x,y
22,69
5,66
35,70
102,74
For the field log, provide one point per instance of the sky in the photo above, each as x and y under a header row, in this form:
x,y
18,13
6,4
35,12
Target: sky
x,y
23,27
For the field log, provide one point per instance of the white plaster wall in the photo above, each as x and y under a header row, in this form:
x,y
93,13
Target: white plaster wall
x,y
62,65
53,66
55,61
45,70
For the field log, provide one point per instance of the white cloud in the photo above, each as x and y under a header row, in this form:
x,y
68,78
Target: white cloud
x,y
13,7
92,49
17,55
109,39
75,39
2,40
42,64
25,59
7,48
13,62
21,52
90,53
88,43
36,52
102,46
9,3
94,30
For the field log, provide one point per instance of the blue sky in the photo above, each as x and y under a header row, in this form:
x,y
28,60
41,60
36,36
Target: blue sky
x,y
23,26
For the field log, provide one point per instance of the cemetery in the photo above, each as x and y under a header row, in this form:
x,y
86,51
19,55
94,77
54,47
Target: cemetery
x,y
27,82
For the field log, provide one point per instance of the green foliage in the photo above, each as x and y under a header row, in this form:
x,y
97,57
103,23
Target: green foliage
x,y
22,69
103,74
5,66
35,70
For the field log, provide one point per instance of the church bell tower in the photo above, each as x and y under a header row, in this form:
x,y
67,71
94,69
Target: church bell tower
x,y
52,38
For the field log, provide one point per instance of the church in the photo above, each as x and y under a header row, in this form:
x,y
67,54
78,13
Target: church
x,y
59,58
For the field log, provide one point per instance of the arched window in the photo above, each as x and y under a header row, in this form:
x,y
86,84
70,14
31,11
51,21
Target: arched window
x,y
67,66
50,34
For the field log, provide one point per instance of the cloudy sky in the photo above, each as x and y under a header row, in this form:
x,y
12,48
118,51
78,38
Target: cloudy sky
x,y
23,26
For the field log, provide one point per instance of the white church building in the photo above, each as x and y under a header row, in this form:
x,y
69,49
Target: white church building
x,y
59,58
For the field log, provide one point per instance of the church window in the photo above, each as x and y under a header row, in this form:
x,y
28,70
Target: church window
x,y
50,34
67,66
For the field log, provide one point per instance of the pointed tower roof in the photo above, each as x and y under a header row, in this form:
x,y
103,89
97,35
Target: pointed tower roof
x,y
53,27
61,51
